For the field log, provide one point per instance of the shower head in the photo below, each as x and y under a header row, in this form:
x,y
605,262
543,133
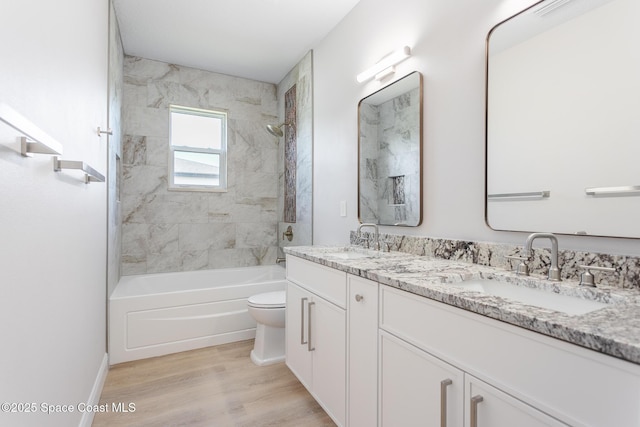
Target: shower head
x,y
277,130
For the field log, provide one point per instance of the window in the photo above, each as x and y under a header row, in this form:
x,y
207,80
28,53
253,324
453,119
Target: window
x,y
197,149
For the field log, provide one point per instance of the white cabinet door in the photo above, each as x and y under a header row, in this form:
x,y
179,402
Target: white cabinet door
x,y
328,344
490,407
417,389
298,356
362,312
316,348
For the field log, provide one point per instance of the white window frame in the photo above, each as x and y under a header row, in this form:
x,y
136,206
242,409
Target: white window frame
x,y
222,151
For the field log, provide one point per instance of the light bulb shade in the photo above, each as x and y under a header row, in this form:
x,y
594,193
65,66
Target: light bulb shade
x,y
386,62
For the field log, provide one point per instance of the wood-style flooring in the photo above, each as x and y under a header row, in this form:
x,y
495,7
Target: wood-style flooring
x,y
213,387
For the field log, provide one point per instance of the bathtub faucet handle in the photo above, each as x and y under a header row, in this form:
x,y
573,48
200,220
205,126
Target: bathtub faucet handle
x,y
288,234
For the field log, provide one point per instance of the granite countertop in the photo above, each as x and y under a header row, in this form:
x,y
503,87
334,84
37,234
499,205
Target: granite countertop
x,y
613,330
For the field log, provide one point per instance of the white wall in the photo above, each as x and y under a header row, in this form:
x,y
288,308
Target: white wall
x,y
53,226
448,41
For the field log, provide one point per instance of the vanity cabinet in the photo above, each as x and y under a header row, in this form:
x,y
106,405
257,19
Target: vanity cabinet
x,y
489,407
525,379
375,355
362,350
316,332
417,389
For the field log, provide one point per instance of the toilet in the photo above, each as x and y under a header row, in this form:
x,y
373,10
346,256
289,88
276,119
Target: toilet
x,y
268,311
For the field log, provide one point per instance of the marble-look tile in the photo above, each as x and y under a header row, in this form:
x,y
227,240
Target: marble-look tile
x,y
142,120
134,150
257,213
257,184
149,238
135,94
205,222
133,264
173,208
256,235
139,70
301,77
164,263
157,151
195,260
242,257
198,237
253,148
161,93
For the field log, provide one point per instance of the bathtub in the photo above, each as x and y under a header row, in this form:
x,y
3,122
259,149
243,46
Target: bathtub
x,y
156,314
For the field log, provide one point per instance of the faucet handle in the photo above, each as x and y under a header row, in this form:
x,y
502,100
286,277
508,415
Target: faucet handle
x,y
521,268
587,279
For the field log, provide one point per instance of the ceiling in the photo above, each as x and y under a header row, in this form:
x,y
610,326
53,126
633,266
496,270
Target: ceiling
x,y
255,39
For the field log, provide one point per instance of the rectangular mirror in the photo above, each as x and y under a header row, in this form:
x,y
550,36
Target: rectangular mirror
x,y
563,119
390,154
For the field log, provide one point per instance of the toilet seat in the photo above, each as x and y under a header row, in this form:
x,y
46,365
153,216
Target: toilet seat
x,y
275,299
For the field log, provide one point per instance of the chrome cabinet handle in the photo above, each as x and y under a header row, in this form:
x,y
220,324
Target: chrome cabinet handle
x,y
359,297
443,401
474,409
309,348
302,341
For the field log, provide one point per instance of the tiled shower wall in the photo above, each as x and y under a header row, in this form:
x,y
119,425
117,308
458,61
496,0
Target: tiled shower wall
x,y
301,76
165,230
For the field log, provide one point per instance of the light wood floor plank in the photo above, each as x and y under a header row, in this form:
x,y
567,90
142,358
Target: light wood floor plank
x,y
210,387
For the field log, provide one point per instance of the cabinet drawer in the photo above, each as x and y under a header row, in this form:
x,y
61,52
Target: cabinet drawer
x,y
578,386
494,408
325,282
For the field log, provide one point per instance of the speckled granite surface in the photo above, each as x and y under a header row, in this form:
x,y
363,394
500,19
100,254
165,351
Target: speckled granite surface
x,y
613,330
627,273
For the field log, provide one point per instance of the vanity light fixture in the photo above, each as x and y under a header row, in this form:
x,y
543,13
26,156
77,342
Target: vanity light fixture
x,y
384,67
550,7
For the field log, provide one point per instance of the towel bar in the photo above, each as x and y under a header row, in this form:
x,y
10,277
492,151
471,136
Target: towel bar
x,y
34,140
91,175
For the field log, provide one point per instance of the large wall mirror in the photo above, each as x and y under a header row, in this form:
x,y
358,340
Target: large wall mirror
x,y
563,119
390,154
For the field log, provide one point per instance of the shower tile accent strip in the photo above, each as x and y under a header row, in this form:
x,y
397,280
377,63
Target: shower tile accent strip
x,y
290,155
627,273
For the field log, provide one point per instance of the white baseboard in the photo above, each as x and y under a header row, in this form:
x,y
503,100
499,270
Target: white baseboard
x,y
96,391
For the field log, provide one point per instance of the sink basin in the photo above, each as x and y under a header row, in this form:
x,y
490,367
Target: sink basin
x,y
536,297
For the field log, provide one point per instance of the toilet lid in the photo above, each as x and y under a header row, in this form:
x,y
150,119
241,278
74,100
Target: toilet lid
x,y
275,299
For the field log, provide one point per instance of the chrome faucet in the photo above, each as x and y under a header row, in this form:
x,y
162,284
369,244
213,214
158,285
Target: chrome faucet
x,y
554,270
376,233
